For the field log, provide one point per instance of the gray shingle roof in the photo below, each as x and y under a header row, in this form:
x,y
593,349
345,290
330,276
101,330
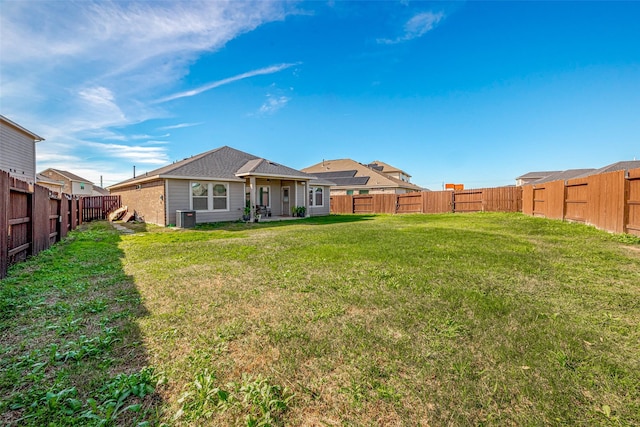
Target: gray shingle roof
x,y
564,175
624,165
539,175
224,163
269,168
341,178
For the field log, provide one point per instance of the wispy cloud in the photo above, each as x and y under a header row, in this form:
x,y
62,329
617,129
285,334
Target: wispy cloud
x,y
260,72
81,72
415,27
273,104
179,126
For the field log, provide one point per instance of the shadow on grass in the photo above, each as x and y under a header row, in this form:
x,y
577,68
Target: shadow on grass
x,y
317,220
72,352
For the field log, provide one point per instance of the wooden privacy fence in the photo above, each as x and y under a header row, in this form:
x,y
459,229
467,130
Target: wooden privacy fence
x,y
500,199
98,207
32,218
608,201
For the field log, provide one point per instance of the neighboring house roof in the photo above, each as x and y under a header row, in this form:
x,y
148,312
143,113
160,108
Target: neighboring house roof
x,y
47,180
70,176
223,163
13,124
564,175
387,168
344,178
341,172
99,191
624,165
536,175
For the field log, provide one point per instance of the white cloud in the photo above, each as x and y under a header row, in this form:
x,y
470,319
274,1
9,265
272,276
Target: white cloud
x,y
273,104
262,71
81,72
415,27
140,154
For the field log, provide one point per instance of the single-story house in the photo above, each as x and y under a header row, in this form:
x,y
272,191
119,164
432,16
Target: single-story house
x,y
219,185
351,177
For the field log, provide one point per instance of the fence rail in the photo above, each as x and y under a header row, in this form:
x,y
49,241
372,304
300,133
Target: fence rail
x,y
608,201
32,219
501,199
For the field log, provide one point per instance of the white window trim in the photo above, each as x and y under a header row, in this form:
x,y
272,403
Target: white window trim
x,y
258,195
312,202
210,185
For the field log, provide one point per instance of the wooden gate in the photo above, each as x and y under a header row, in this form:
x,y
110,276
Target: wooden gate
x,y
362,204
467,201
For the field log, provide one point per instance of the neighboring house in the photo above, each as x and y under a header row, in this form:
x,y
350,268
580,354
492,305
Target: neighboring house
x,y
563,175
18,150
72,184
218,185
528,178
53,185
624,165
389,170
351,177
99,191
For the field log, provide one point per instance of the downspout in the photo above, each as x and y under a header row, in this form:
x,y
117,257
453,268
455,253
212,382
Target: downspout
x,y
166,202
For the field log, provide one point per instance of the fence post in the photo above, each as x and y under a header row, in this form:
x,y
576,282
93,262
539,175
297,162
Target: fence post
x,y
4,223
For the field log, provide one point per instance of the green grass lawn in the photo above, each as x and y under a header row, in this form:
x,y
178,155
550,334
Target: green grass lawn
x,y
477,319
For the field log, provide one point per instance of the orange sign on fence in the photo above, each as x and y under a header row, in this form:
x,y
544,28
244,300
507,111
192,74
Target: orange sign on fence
x,y
454,187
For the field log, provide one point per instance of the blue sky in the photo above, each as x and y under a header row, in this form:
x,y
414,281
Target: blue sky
x,y
464,92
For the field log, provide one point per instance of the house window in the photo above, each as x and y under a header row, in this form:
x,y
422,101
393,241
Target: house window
x,y
82,185
349,192
209,196
264,198
363,192
219,197
200,196
316,196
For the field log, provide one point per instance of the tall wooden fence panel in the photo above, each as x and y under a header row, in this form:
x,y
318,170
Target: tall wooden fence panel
x,y
363,204
98,207
633,203
341,204
31,219
467,201
609,201
407,203
437,202
501,199
19,227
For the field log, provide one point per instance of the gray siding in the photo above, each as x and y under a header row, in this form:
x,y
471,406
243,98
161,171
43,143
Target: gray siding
x,y
325,209
179,199
17,153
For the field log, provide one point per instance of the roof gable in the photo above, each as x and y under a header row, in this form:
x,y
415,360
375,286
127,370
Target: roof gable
x,y
223,163
68,175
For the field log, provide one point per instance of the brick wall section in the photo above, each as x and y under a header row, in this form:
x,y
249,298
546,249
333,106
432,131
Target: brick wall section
x,y
147,199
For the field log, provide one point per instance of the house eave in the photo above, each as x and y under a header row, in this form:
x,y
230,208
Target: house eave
x,y
196,178
268,175
35,137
